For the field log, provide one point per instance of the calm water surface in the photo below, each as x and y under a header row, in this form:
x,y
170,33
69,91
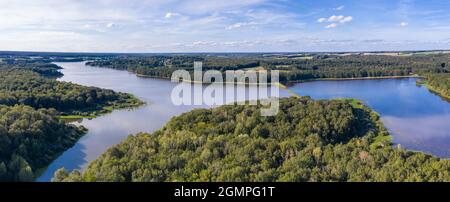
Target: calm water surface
x,y
111,129
417,119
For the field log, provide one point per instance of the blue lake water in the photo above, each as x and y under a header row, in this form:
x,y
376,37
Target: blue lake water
x,y
111,129
417,119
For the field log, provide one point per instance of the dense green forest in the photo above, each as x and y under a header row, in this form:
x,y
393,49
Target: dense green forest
x,y
43,67
30,139
295,67
32,103
324,140
335,140
298,67
18,86
439,83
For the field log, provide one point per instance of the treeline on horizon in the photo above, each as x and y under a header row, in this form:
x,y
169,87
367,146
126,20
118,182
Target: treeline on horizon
x,y
324,140
297,67
292,68
42,67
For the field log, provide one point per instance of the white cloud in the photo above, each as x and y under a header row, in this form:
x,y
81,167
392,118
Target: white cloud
x,y
339,8
320,20
48,12
241,25
197,25
170,15
211,6
332,25
204,43
147,25
109,25
340,18
236,25
245,43
335,20
346,19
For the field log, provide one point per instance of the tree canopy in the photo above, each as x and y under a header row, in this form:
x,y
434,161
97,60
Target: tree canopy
x,y
30,139
308,140
18,86
293,67
31,103
439,83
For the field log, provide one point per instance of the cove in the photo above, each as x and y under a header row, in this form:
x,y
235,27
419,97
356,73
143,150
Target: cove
x,y
416,118
110,129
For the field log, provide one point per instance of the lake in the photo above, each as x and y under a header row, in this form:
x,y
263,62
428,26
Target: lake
x,y
111,129
417,119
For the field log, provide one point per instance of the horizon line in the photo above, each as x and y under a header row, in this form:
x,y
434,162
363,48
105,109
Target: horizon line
x,y
222,52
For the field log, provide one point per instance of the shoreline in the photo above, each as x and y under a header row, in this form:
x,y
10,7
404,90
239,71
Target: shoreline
x,y
435,91
131,103
378,139
286,83
294,81
355,78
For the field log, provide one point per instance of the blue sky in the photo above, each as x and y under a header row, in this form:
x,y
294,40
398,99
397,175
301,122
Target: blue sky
x,y
224,25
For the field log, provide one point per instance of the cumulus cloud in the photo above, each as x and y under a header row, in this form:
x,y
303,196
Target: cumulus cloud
x,y
241,25
197,25
200,43
170,15
339,8
236,25
340,18
335,20
211,6
346,19
109,25
320,20
332,25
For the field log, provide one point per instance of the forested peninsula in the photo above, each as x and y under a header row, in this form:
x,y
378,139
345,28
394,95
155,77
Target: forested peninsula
x,y
32,107
25,87
293,68
308,140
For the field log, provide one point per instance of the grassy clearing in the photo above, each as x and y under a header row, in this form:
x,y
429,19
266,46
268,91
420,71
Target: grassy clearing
x,y
358,104
282,86
432,89
381,140
255,69
77,117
